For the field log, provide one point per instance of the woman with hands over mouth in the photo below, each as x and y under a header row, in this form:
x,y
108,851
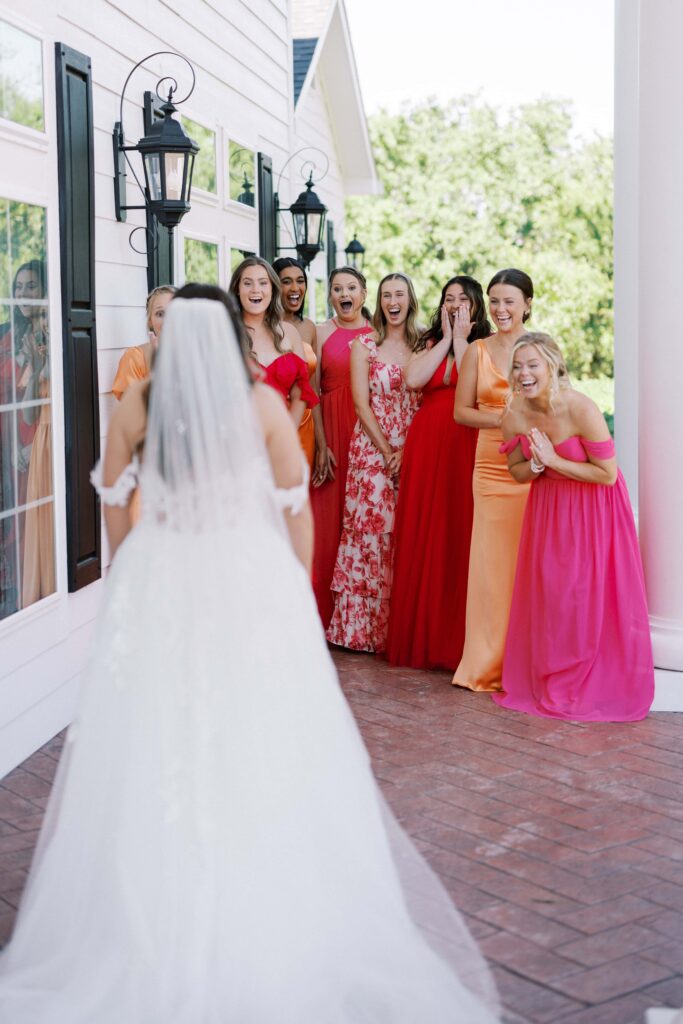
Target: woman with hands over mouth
x,y
578,644
434,515
499,500
385,406
347,295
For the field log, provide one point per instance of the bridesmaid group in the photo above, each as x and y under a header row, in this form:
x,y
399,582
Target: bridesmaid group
x,y
469,513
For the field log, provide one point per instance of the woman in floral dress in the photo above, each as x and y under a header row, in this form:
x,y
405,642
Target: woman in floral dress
x,y
361,583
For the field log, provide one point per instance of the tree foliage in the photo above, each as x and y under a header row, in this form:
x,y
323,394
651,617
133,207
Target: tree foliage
x,y
468,190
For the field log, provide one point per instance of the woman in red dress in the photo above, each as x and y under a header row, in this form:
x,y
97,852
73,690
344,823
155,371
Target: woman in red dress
x,y
347,292
275,344
434,515
385,406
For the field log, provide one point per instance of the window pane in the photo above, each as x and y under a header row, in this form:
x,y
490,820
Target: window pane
x,y
26,486
201,261
205,164
236,257
242,172
21,77
37,553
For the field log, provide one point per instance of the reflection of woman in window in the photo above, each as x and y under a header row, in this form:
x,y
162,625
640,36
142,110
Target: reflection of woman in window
x,y
22,353
38,575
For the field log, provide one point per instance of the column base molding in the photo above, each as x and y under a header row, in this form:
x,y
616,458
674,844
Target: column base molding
x,y
667,643
668,691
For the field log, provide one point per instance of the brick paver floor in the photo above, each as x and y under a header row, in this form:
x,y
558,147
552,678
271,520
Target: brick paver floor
x,y
560,843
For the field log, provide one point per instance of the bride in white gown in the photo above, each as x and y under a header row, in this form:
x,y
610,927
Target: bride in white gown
x,y
216,850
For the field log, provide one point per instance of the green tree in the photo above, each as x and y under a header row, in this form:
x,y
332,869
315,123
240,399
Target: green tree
x,y
468,190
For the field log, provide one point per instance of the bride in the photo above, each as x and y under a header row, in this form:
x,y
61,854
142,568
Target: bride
x,y
215,850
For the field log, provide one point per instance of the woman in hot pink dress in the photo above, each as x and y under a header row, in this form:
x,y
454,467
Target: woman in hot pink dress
x,y
348,292
578,643
385,405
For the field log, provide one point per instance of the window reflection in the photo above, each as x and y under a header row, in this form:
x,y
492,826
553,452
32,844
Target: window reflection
x,y
242,173
201,261
21,77
204,176
27,556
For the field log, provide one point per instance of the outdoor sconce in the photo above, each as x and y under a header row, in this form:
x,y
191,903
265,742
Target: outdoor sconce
x,y
308,216
246,196
167,155
355,254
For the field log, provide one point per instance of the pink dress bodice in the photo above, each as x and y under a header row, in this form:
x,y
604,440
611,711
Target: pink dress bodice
x,y
574,449
336,356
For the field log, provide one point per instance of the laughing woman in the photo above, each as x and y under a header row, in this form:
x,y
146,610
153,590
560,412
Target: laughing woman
x,y
275,344
385,406
294,285
499,500
347,294
578,644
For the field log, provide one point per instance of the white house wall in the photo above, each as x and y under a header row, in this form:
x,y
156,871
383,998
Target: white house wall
x,y
241,52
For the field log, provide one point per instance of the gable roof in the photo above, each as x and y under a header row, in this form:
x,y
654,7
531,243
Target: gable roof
x,y
302,52
322,45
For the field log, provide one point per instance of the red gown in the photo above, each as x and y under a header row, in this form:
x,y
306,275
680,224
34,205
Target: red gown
x,y
339,419
432,536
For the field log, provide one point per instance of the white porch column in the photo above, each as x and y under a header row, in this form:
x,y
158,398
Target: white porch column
x,y
649,240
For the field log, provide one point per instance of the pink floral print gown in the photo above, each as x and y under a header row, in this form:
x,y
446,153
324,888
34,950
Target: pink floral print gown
x,y
361,584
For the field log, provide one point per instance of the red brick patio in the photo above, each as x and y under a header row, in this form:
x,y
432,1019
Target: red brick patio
x,y
561,843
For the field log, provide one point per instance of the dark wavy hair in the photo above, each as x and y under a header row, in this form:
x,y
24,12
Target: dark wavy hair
x,y
518,279
361,280
22,323
474,292
379,321
284,263
275,313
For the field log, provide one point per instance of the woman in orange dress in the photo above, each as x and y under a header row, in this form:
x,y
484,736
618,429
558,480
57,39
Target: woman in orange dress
x,y
499,500
294,284
136,362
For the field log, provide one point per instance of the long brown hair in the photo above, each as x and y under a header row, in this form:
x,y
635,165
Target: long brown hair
x,y
365,312
473,291
275,313
379,321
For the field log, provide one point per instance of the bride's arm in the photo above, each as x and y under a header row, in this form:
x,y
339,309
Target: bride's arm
x,y
126,428
284,452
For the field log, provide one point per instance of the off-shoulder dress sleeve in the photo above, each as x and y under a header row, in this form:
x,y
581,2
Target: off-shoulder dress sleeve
x,y
600,449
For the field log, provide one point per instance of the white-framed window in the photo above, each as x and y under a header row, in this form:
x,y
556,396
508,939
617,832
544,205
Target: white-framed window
x,y
241,174
22,99
205,174
201,257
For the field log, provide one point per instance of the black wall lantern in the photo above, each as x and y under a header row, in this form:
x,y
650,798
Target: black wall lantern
x,y
355,254
308,214
167,154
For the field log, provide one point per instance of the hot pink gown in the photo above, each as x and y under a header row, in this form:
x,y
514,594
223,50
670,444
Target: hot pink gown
x,y
578,643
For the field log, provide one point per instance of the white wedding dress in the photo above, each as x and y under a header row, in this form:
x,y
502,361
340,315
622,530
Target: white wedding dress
x,y
215,850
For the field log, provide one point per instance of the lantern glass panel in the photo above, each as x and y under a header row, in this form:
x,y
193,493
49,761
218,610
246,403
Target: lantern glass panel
x,y
175,169
153,175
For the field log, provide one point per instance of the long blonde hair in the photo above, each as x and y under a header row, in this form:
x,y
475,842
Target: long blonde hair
x,y
550,352
379,321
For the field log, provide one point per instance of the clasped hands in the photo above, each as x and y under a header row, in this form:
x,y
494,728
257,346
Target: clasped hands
x,y
393,461
542,450
325,461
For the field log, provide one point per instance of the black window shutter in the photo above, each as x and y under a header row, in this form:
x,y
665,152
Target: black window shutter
x,y
160,268
267,214
331,249
77,250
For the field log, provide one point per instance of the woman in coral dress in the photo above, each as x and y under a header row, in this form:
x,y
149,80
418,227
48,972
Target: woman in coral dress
x,y
434,514
385,405
578,644
348,292
294,285
499,500
275,344
136,361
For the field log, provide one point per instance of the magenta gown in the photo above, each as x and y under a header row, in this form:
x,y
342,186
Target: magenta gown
x,y
578,644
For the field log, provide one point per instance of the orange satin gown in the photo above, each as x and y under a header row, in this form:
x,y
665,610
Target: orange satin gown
x,y
132,366
499,503
306,428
